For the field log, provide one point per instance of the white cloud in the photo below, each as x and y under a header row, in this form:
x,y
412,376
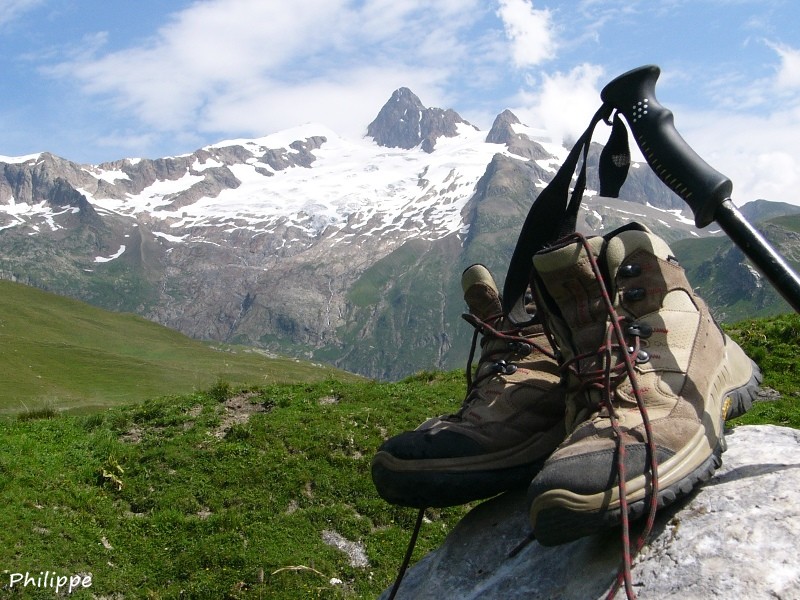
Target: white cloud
x,y
529,30
210,48
767,91
563,103
750,134
758,152
345,104
788,76
12,9
248,66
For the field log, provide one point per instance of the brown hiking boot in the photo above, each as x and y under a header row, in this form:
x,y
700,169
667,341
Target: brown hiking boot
x,y
511,420
656,389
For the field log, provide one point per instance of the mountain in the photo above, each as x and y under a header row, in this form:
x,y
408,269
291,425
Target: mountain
x,y
764,210
303,242
404,122
733,288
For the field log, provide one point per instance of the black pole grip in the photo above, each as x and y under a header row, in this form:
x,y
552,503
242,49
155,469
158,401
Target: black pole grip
x,y
667,153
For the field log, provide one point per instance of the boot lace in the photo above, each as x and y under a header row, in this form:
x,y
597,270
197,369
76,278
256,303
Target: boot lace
x,y
614,361
516,343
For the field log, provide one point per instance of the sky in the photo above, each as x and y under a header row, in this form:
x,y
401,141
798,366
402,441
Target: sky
x,y
94,81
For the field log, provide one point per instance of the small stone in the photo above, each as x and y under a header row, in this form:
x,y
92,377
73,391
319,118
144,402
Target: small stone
x,y
354,550
767,394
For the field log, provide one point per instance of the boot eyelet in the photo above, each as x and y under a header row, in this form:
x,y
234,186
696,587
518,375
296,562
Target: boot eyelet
x,y
642,356
634,294
501,367
640,330
520,348
630,270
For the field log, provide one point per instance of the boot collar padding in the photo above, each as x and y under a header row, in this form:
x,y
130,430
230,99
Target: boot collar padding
x,y
480,292
475,274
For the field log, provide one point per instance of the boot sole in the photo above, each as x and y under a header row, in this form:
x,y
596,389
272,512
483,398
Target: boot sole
x,y
745,382
741,400
442,482
560,516
442,489
559,525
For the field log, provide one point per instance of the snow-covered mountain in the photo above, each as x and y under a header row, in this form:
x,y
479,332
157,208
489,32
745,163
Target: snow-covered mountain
x,y
306,179
304,242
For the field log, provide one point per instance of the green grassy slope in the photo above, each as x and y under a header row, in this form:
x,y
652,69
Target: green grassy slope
x,y
232,493
713,266
65,354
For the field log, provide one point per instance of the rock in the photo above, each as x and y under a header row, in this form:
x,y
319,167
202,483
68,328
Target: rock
x,y
502,132
735,537
355,552
404,122
767,394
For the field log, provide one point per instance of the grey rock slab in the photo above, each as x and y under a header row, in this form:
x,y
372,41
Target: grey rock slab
x,y
735,537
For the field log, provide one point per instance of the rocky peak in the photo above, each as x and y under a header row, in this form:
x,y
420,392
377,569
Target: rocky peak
x,y
62,196
404,122
502,132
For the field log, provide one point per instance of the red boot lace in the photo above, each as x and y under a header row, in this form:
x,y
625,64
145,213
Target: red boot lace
x,y
605,379
488,330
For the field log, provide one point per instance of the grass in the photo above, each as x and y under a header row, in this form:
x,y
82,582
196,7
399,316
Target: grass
x,y
62,354
176,498
183,496
774,344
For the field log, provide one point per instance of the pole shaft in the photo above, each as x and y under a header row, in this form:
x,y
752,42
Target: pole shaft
x,y
758,250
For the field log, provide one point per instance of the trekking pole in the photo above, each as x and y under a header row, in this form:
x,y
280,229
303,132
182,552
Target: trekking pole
x,y
704,189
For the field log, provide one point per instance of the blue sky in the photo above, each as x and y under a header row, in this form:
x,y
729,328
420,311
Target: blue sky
x,y
95,81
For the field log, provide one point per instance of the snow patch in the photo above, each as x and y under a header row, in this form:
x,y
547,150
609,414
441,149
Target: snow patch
x,y
117,254
170,238
281,139
209,163
677,213
15,160
110,176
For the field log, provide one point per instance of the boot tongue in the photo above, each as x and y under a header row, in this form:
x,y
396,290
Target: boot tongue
x,y
480,292
575,292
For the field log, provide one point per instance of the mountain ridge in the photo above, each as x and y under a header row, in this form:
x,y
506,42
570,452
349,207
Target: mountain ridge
x,y
278,242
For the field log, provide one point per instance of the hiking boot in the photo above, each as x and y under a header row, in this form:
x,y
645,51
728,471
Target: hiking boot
x,y
511,420
657,389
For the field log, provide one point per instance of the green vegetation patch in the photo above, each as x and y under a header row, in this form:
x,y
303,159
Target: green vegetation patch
x,y
230,493
367,290
790,222
774,344
64,354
